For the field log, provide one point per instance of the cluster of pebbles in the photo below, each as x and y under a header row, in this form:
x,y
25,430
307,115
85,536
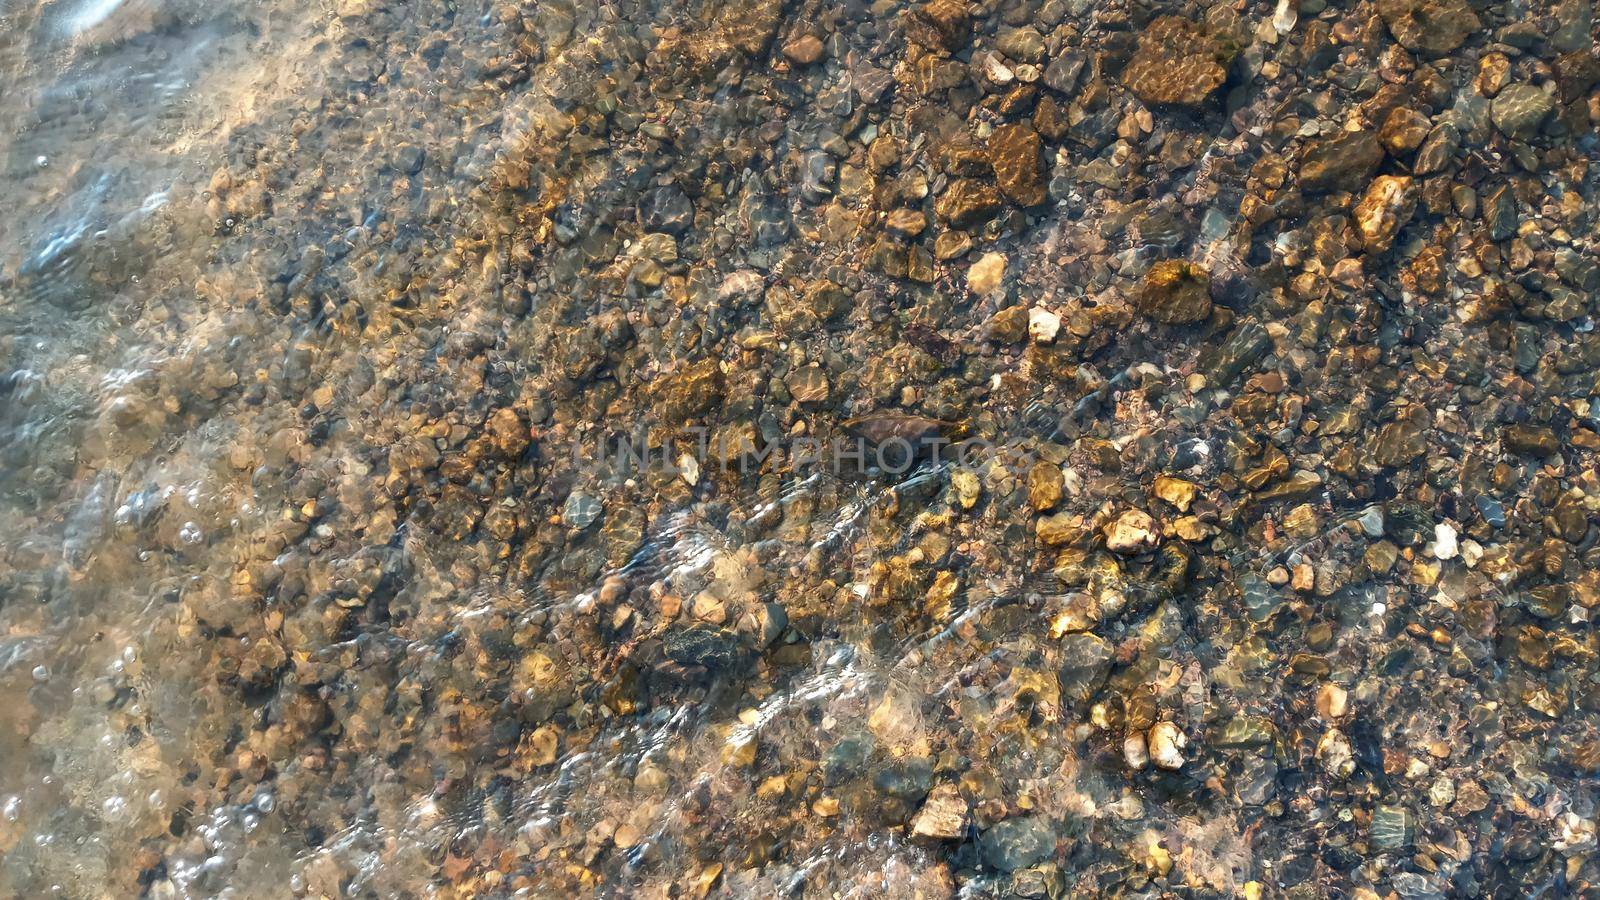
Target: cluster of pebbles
x,y
325,578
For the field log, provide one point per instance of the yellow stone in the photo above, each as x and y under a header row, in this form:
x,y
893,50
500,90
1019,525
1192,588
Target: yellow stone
x,y
740,750
1176,491
1425,573
986,274
1058,529
1190,528
967,487
1302,521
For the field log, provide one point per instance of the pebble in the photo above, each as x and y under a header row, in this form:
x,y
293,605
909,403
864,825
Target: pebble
x,y
1332,702
1018,843
943,815
1045,483
1176,62
804,50
1340,163
1520,109
581,510
1132,531
1136,752
1386,207
1444,542
1043,325
1014,153
1166,743
1176,491
986,274
1175,292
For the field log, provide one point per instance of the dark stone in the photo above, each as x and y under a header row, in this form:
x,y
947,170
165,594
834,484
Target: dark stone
x,y
847,758
909,780
1063,72
1520,109
703,645
941,24
1500,213
1532,439
1177,62
1175,292
666,209
1018,843
1343,162
1244,347
1438,149
1050,119
1492,510
1407,524
967,202
1086,661
1014,154
1401,441
1576,73
1429,27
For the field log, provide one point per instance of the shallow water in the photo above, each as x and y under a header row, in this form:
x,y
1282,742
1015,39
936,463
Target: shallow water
x,y
313,582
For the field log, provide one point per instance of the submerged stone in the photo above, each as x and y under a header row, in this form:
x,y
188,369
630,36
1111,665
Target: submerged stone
x,y
704,645
967,202
1175,292
1339,163
1520,109
1177,62
1431,27
1014,153
1018,843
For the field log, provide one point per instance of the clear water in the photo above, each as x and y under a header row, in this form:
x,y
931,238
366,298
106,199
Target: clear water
x,y
156,203
262,263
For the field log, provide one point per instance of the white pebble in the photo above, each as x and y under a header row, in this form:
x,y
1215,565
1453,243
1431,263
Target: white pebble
x,y
1166,744
1043,325
1444,542
1134,751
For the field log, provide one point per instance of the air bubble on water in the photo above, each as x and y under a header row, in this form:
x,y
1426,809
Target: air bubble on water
x,y
41,673
12,809
189,533
113,808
